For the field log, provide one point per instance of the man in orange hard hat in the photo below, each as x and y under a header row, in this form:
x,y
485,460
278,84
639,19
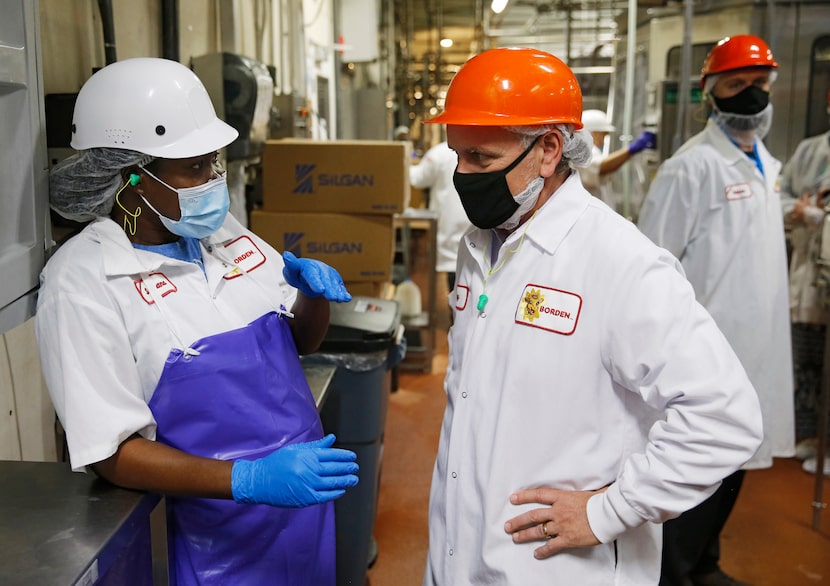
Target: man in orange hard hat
x,y
584,380
715,205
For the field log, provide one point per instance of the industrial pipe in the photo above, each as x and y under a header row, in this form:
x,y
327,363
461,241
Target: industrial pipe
x,y
108,27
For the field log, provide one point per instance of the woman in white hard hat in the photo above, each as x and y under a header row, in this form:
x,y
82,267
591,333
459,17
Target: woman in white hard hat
x,y
596,177
169,337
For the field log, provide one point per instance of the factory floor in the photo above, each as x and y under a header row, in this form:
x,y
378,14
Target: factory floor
x,y
768,540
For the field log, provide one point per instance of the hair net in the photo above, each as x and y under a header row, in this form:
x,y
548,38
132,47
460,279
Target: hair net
x,y
401,131
577,145
579,148
83,186
743,128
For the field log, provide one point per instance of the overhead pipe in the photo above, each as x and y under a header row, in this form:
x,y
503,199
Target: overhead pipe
x,y
108,28
546,28
681,133
478,40
170,29
568,36
439,48
771,28
628,100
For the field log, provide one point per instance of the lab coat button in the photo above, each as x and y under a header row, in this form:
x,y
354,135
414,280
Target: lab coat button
x,y
451,551
482,315
464,394
454,475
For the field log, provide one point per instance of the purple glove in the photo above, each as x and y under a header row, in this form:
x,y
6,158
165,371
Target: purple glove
x,y
646,140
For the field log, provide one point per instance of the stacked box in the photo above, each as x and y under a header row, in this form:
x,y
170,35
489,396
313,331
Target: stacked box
x,y
334,201
359,246
340,176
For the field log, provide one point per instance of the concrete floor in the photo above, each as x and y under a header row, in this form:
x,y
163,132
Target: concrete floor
x,y
768,540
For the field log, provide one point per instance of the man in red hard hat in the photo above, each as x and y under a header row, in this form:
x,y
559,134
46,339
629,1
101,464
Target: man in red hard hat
x,y
584,380
715,205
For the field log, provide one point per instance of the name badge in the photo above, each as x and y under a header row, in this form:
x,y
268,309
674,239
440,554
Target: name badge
x,y
738,191
462,296
161,286
549,309
245,254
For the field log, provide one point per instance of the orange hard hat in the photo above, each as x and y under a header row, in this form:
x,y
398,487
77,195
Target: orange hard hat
x,y
737,52
512,87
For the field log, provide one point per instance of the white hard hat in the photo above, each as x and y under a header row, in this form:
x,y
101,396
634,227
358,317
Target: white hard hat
x,y
154,106
596,121
401,131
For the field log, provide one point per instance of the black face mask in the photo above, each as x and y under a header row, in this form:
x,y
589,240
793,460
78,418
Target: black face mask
x,y
486,197
748,102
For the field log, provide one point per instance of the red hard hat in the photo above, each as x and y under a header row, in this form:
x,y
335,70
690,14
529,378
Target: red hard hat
x,y
737,52
512,87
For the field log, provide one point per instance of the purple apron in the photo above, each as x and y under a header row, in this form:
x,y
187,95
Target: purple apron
x,y
242,396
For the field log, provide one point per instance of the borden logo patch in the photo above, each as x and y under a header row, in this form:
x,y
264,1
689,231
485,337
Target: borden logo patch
x,y
549,309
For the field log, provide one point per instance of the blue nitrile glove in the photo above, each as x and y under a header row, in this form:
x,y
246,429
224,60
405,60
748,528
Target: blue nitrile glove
x,y
296,475
314,278
646,140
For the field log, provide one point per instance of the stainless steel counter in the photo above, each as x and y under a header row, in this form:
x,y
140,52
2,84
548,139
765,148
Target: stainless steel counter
x,y
319,380
59,528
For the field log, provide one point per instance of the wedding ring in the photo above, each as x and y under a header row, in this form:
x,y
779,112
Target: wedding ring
x,y
545,531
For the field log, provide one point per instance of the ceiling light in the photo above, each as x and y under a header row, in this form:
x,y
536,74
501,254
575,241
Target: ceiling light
x,y
498,5
446,43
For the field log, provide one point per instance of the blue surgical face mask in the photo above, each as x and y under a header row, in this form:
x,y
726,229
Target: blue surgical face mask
x,y
204,207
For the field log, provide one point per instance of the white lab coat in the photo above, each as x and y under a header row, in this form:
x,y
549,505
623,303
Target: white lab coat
x,y
435,172
808,164
103,338
619,378
710,206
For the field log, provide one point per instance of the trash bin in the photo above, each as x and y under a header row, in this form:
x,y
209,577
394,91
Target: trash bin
x,y
364,341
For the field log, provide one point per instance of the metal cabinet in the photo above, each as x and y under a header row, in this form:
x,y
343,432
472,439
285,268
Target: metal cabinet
x,y
23,164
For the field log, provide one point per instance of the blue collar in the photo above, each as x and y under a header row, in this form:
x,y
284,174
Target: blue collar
x,y
753,155
183,249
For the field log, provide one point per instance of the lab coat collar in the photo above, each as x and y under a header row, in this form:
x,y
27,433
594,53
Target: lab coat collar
x,y
733,155
120,257
552,221
557,216
730,152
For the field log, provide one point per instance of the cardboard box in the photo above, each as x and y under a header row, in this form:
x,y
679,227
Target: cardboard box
x,y
360,247
377,289
340,176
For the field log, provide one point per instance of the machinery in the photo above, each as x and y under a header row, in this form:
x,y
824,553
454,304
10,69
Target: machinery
x,y
24,229
242,91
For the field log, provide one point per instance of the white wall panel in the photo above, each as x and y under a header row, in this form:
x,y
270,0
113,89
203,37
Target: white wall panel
x,y
35,414
359,23
9,441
